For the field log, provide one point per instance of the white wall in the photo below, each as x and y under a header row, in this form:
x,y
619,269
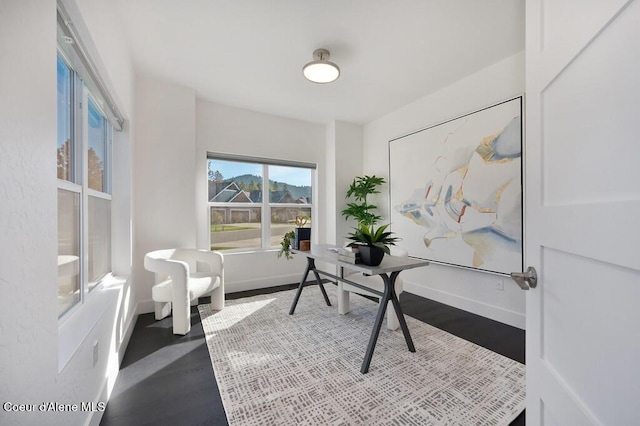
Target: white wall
x,y
225,129
329,207
344,160
349,161
164,175
32,339
465,289
341,151
174,131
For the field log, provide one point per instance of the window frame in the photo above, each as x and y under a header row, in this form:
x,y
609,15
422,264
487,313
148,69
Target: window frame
x,y
106,182
79,183
265,205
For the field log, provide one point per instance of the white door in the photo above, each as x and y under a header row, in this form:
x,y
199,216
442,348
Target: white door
x,y
582,211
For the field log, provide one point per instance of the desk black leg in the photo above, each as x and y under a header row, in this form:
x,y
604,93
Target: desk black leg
x,y
376,328
310,265
389,295
324,292
390,283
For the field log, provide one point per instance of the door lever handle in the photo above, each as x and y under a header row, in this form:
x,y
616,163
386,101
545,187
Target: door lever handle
x,y
526,280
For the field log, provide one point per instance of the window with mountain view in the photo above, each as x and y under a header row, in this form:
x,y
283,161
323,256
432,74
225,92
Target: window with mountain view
x,y
252,205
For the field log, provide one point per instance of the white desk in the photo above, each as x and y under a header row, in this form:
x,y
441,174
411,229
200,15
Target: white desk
x,y
390,265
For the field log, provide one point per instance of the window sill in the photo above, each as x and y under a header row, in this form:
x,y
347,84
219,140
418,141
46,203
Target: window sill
x,y
241,251
76,325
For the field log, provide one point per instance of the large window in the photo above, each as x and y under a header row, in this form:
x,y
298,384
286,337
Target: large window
x,y
253,203
84,189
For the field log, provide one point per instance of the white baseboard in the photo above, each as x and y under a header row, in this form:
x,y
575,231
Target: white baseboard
x,y
96,416
147,306
235,286
144,307
128,331
496,313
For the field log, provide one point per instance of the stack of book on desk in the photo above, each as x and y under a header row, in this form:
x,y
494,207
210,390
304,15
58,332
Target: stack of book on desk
x,y
349,255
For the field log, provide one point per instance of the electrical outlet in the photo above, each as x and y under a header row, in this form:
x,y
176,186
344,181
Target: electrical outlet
x,y
500,285
95,353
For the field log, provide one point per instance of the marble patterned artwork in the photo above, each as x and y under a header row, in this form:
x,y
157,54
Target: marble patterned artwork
x,y
456,190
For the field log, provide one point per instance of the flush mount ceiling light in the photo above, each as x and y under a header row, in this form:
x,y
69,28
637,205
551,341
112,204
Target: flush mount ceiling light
x,y
320,70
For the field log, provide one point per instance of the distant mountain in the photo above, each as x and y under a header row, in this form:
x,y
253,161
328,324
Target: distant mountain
x,y
296,191
246,179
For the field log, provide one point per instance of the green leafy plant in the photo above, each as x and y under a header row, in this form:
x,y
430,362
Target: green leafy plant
x,y
368,235
285,245
360,209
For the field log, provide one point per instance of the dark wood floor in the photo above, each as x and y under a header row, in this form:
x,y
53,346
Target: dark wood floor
x,y
168,380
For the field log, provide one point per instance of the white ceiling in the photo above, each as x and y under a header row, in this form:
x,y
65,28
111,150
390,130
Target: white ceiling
x,y
250,53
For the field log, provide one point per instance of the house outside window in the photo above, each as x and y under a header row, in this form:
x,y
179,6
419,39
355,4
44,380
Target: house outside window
x,y
254,202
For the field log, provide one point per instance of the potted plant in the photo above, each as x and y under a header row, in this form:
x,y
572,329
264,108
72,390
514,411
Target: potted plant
x,y
372,243
292,238
285,245
360,209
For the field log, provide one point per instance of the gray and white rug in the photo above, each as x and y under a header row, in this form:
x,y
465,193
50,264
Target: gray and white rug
x,y
304,369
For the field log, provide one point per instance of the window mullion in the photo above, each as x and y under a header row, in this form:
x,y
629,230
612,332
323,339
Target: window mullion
x,y
108,161
266,209
69,186
98,194
84,214
105,161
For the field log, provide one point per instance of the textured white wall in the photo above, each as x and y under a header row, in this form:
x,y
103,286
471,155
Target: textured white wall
x,y
32,339
465,289
28,268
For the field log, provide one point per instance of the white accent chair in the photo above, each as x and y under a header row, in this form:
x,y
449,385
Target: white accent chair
x,y
374,282
183,275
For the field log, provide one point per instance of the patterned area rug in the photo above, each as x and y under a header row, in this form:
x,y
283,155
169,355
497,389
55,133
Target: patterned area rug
x,y
304,369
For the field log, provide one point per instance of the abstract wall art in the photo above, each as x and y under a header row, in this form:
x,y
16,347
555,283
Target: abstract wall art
x,y
456,190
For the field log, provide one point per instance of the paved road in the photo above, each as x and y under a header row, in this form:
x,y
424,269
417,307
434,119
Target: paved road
x,y
248,238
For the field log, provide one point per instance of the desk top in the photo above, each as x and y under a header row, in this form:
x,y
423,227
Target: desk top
x,y
328,253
